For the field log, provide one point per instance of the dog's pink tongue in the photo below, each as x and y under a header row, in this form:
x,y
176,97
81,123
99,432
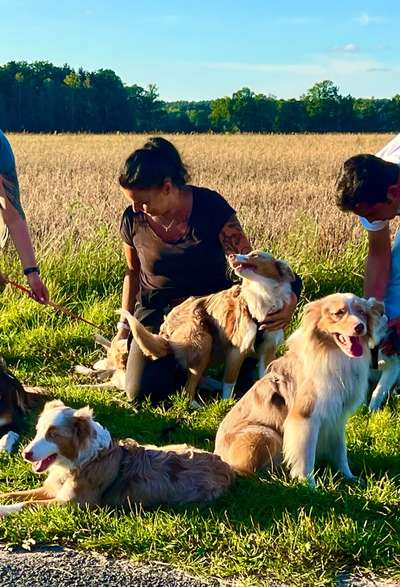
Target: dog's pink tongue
x,y
355,346
39,466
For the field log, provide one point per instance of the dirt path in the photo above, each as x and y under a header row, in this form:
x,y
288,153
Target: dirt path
x,y
59,567
67,568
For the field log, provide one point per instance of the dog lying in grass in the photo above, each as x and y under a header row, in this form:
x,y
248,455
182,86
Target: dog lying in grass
x,y
15,401
223,327
110,371
85,466
298,411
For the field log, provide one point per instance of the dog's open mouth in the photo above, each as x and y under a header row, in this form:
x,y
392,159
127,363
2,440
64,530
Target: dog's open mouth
x,y
241,265
350,345
40,466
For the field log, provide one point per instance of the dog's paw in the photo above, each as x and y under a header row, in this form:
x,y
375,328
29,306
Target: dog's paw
x,y
8,441
82,370
5,510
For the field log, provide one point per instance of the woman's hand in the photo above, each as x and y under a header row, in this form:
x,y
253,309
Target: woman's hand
x,y
280,319
122,334
38,289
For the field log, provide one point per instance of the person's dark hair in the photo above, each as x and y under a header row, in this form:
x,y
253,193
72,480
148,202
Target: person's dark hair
x,y
151,165
364,179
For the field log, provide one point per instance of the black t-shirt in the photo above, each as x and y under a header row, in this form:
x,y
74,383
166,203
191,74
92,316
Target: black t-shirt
x,y
194,265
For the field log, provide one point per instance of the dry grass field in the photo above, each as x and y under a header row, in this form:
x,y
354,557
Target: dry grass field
x,y
280,185
266,530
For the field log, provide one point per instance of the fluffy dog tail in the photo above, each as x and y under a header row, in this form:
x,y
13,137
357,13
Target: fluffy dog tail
x,y
151,345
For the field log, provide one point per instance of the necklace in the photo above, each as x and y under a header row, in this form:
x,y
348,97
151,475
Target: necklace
x,y
168,227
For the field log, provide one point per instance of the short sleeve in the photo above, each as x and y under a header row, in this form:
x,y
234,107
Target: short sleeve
x,y
127,226
7,160
373,226
215,210
9,174
391,151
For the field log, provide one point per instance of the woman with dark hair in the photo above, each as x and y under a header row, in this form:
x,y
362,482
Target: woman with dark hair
x,y
176,237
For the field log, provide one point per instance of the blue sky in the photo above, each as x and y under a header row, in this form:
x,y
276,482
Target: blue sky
x,y
210,48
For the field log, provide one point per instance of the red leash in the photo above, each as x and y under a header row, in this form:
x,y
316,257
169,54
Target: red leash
x,y
57,307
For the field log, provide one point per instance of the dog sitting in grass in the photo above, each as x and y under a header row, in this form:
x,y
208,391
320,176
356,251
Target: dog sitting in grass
x,y
223,327
298,411
85,466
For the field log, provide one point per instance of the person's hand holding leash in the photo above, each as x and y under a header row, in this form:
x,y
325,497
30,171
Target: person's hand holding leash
x,y
38,289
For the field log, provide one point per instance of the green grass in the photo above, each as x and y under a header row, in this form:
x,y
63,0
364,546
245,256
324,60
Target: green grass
x,y
263,529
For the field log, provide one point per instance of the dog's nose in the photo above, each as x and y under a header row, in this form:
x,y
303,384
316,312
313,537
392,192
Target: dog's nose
x,y
359,328
28,455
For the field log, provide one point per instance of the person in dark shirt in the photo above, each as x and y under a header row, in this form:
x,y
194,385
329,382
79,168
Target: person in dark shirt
x,y
176,238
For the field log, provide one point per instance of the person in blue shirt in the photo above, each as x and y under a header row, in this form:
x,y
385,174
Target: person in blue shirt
x,y
13,221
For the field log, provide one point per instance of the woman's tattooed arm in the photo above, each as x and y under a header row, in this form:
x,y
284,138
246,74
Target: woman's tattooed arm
x,y
233,239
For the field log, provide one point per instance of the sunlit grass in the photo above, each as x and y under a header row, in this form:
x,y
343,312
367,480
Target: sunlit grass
x,y
264,529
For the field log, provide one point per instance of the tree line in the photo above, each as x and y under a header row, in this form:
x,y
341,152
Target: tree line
x,y
42,97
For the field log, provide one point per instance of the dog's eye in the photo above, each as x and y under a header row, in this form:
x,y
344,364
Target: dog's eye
x,y
339,313
362,313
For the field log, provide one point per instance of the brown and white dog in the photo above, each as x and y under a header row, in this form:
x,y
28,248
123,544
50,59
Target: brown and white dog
x,y
298,411
86,467
222,327
14,403
110,371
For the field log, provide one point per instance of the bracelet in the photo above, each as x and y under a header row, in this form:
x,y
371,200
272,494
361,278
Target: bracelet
x,y
29,270
122,326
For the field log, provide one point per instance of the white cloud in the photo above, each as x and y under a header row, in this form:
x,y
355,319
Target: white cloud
x,y
381,69
346,48
365,19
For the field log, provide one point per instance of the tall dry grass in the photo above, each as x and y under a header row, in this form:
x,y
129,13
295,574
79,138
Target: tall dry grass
x,y
282,186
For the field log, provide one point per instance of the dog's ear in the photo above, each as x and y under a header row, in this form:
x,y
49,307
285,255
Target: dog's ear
x,y
377,321
285,272
376,306
311,314
85,412
55,403
26,400
82,423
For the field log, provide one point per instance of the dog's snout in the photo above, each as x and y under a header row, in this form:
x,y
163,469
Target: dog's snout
x,y
359,328
28,455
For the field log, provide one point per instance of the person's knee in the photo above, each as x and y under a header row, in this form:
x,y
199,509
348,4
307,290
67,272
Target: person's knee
x,y
135,368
